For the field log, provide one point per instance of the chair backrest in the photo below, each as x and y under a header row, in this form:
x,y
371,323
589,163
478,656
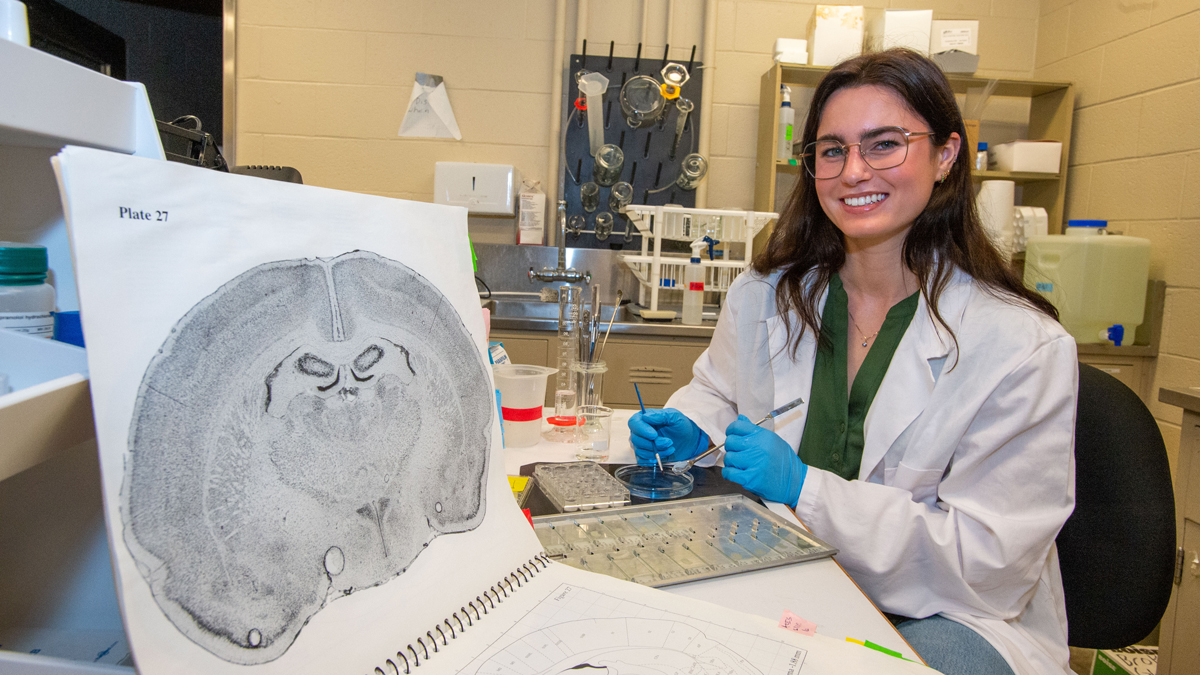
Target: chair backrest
x,y
1117,550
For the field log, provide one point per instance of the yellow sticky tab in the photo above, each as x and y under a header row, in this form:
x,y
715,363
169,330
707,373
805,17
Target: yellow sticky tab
x,y
518,483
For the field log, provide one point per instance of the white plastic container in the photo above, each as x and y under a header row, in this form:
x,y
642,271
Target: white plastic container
x,y
1095,280
522,395
26,300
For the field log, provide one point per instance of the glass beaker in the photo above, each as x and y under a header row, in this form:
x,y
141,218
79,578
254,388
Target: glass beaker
x,y
575,225
609,162
604,225
593,431
620,196
589,381
642,101
589,196
691,171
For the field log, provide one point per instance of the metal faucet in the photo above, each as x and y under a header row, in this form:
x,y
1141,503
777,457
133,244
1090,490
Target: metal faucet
x,y
562,272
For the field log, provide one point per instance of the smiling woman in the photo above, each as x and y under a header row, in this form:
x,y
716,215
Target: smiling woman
x,y
935,448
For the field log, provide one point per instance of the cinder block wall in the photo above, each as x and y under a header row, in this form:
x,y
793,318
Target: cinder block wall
x,y
322,85
1135,151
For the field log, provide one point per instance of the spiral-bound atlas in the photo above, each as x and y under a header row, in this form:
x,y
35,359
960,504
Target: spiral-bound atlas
x,y
463,619
301,450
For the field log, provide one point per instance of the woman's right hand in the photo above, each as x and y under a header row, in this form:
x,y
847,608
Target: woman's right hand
x,y
667,433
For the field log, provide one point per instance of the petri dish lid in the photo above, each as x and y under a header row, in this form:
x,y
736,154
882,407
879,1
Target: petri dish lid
x,y
648,482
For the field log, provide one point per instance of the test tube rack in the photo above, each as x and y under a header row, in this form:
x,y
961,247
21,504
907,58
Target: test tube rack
x,y
657,271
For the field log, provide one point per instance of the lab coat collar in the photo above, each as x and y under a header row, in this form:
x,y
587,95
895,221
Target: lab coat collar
x,y
923,354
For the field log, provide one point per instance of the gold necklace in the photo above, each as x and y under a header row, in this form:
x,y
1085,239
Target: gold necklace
x,y
865,337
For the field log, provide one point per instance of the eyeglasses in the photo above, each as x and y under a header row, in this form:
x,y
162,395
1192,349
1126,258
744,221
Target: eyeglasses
x,y
884,148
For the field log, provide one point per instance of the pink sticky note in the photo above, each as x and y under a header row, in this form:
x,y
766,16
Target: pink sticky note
x,y
797,624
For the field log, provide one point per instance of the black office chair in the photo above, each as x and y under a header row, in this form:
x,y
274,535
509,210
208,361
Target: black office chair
x,y
1117,550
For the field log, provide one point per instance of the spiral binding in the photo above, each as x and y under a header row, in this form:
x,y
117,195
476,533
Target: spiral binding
x,y
425,646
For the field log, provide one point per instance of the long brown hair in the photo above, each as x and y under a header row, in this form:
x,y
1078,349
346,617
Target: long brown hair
x,y
809,248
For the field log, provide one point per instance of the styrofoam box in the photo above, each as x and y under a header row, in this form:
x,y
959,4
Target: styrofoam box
x,y
960,35
835,34
1032,156
887,28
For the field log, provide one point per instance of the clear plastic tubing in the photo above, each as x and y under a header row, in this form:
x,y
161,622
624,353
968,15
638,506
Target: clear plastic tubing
x,y
592,86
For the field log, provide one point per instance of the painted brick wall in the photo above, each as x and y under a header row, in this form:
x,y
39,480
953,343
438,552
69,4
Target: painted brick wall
x,y
323,84
1135,151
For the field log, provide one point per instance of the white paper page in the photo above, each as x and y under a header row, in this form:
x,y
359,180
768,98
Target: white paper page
x,y
571,621
298,385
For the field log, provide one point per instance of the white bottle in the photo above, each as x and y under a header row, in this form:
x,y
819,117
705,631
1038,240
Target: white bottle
x,y
26,300
787,118
693,287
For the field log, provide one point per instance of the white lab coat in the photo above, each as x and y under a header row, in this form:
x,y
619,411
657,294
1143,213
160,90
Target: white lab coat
x,y
968,469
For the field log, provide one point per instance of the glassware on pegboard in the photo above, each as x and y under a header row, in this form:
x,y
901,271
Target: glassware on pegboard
x,y
589,196
620,196
684,106
692,171
575,224
604,225
642,101
609,162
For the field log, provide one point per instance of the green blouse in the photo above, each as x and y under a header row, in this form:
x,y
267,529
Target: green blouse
x,y
833,432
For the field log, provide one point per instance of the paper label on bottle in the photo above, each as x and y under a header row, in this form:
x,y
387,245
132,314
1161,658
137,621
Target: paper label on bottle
x,y
696,286
39,324
956,37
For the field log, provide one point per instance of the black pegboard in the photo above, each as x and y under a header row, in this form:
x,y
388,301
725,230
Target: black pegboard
x,y
646,148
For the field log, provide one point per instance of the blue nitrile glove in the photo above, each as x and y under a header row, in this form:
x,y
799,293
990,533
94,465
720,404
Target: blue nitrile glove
x,y
762,462
667,432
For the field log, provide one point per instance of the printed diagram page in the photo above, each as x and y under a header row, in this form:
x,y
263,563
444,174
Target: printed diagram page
x,y
588,624
581,629
296,421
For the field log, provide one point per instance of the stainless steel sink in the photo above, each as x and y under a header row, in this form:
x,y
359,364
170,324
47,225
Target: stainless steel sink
x,y
532,309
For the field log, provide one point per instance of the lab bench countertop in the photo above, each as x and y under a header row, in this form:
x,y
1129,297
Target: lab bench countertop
x,y
819,590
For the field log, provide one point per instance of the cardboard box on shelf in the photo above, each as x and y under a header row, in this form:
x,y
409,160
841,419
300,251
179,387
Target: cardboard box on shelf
x,y
887,28
1031,156
835,34
960,35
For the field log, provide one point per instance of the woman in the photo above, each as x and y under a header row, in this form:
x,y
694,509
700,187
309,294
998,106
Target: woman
x,y
935,448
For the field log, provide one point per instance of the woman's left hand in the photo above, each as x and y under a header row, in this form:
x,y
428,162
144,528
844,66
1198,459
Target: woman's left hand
x,y
762,462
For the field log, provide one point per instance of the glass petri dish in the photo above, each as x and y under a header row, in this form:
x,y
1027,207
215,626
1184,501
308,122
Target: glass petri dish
x,y
648,482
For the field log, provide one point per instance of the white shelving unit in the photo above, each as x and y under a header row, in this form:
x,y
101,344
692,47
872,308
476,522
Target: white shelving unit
x,y
655,271
56,581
